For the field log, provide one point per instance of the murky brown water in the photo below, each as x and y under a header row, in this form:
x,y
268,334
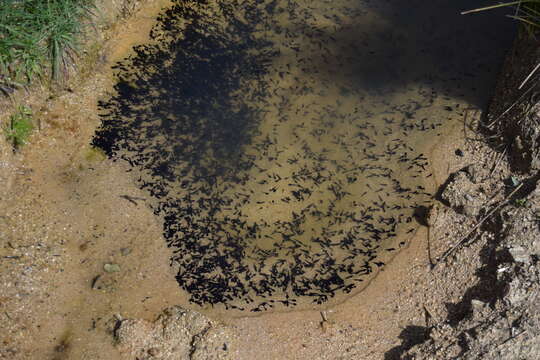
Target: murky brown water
x,y
283,141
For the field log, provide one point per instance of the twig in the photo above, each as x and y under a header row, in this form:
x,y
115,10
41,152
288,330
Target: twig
x,y
509,108
512,337
431,263
464,238
529,76
428,316
323,315
490,7
487,203
430,258
499,160
465,125
131,199
465,118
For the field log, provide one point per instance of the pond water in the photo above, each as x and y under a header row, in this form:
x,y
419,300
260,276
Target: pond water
x,y
284,143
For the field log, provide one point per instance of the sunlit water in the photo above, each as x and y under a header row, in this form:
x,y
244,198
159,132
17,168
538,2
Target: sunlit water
x,y
284,141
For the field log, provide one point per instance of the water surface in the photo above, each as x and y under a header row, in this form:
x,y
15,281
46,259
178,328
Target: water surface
x,y
284,142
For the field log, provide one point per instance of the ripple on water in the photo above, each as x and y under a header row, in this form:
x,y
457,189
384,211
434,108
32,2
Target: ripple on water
x,y
283,140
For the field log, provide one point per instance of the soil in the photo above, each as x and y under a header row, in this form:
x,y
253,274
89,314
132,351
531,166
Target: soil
x,y
85,275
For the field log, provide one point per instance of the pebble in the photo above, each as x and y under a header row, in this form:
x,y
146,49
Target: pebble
x,y
519,254
110,268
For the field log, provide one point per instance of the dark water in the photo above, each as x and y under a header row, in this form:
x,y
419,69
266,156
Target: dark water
x,y
283,141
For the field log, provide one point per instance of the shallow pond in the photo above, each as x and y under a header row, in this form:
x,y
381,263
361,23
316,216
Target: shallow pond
x,y
285,143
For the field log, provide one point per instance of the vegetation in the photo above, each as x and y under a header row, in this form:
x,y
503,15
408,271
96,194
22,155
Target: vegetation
x,y
20,126
39,37
521,202
526,11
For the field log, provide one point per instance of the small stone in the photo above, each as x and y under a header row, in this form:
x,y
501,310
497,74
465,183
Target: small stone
x,y
470,210
518,143
125,251
453,351
110,268
536,247
477,304
514,180
519,254
154,352
478,307
535,163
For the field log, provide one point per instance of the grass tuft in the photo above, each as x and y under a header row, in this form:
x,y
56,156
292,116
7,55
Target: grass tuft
x,y
20,126
38,37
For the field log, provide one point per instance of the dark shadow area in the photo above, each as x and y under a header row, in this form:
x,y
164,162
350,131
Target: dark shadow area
x,y
458,56
185,86
421,214
488,289
528,185
514,100
410,336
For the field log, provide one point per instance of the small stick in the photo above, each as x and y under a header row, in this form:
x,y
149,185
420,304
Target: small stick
x,y
465,125
465,116
490,7
428,316
323,315
457,244
131,199
499,160
529,76
488,202
512,337
431,263
509,108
